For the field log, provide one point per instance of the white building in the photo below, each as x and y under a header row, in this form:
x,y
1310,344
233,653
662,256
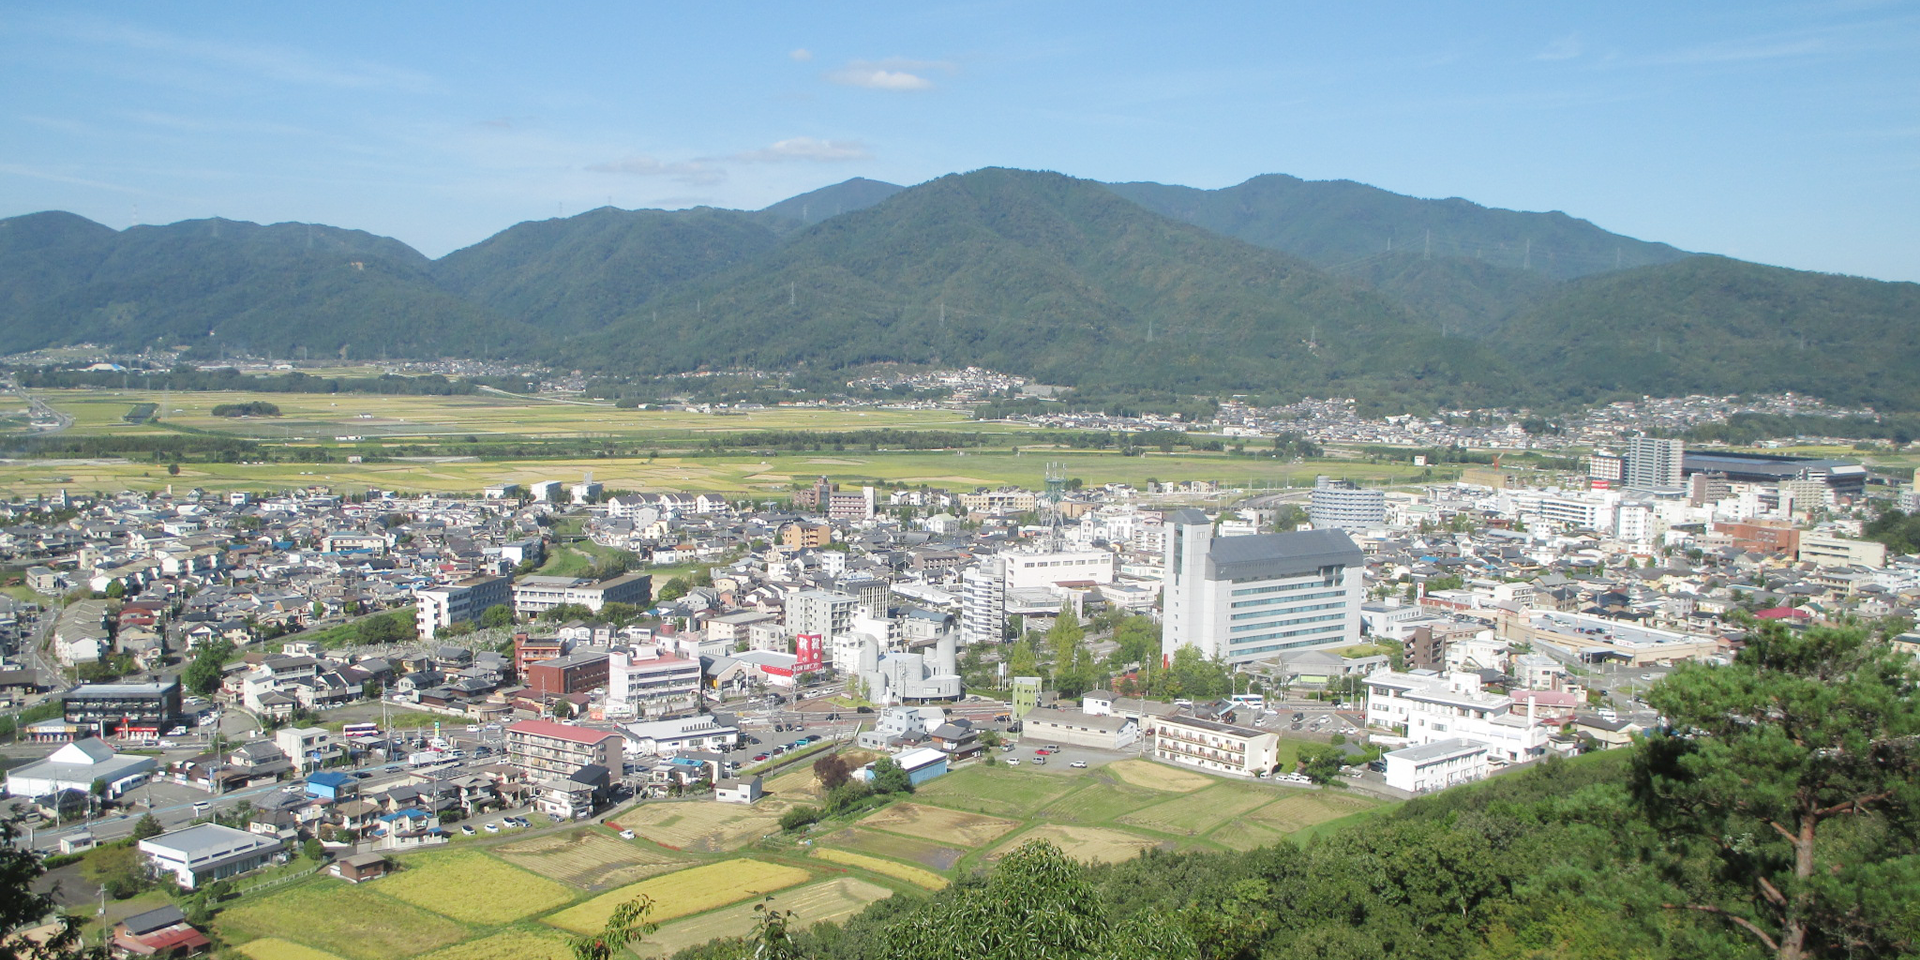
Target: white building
x,y
1340,505
438,608
1653,463
533,596
1218,747
983,603
1436,765
75,766
1248,598
1424,707
207,852
684,733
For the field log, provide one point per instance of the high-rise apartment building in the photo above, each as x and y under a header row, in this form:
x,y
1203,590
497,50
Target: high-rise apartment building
x,y
1250,597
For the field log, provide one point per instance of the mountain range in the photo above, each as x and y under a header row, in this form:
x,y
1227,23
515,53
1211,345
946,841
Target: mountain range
x,y
1277,286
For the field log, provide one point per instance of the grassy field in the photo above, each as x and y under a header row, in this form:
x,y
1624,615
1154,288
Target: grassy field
x,y
690,891
703,826
349,921
472,887
951,826
811,904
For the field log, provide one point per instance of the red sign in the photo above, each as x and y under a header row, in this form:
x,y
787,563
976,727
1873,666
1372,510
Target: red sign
x,y
806,651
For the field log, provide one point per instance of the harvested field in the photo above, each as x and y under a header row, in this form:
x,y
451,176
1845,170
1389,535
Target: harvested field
x,y
815,903
704,826
512,945
472,887
274,948
926,853
693,890
887,868
938,823
1092,844
798,784
1306,808
1159,776
351,922
590,858
1198,812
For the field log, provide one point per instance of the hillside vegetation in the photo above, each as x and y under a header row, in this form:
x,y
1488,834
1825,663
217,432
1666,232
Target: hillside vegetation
x,y
1277,286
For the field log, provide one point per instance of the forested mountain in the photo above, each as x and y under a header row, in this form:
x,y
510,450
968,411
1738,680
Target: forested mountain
x,y
577,274
1276,285
1050,276
828,202
227,285
1710,324
1331,222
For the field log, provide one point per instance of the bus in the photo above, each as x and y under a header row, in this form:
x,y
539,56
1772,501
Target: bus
x,y
352,730
1250,701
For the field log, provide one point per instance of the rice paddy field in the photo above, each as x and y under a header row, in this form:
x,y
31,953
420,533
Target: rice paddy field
x,y
366,424
520,897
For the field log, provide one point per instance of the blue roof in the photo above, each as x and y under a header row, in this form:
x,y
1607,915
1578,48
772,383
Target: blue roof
x,y
329,778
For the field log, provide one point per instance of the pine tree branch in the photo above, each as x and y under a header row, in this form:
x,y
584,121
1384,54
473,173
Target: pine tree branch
x,y
1739,921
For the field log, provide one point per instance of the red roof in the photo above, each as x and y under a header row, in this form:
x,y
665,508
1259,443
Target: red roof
x,y
561,731
1782,613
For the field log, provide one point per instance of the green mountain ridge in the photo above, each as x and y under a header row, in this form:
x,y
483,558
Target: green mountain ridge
x,y
1276,285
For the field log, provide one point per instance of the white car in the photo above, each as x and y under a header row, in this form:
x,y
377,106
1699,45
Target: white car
x,y
1078,764
493,828
1013,761
626,834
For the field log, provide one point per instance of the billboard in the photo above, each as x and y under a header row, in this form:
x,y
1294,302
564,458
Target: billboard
x,y
806,651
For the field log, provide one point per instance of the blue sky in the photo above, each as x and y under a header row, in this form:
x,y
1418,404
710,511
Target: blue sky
x,y
1786,133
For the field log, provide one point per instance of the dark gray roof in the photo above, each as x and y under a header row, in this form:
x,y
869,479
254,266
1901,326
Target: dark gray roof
x,y
1280,554
167,916
1187,515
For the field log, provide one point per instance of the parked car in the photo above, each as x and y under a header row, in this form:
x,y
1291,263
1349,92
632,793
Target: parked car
x,y
626,834
1078,764
1015,761
1043,751
467,828
493,828
1039,761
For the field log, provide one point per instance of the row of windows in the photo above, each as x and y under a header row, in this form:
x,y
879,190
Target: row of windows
x,y
1273,600
1326,581
1236,641
1288,623
1277,647
1252,614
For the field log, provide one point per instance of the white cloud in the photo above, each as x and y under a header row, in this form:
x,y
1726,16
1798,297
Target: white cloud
x,y
1565,48
811,149
801,54
696,172
893,73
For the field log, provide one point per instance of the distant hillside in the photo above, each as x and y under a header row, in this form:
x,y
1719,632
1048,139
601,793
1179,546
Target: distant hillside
x,y
219,284
829,202
579,273
1065,280
1331,222
1710,324
1053,277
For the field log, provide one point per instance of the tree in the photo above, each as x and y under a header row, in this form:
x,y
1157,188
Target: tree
x,y
831,770
1792,772
498,615
673,590
20,868
625,927
122,870
312,849
147,826
1064,635
1020,660
890,777
1320,763
1037,903
562,710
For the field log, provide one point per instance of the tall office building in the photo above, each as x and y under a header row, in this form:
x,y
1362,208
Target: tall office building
x,y
1653,462
1249,598
983,602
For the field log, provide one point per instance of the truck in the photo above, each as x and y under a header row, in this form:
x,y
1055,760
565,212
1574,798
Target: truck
x,y
424,757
